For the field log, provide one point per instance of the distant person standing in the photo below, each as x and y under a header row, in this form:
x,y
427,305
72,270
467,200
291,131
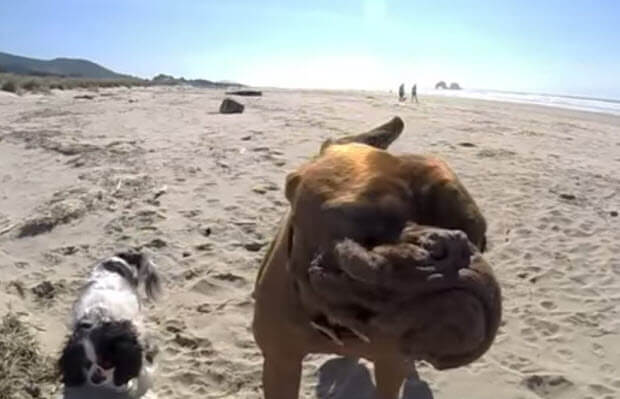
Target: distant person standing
x,y
401,92
414,93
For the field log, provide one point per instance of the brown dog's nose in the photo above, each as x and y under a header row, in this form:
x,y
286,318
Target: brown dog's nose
x,y
448,250
451,245
97,377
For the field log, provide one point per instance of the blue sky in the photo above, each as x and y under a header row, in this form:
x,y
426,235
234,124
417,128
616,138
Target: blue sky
x,y
570,47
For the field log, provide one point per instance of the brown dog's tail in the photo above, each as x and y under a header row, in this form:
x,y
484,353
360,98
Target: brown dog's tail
x,y
379,137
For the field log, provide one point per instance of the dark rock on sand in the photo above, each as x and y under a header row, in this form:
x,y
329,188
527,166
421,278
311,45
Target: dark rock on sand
x,y
254,246
207,246
230,106
191,342
204,308
44,290
156,243
547,386
259,190
68,250
246,93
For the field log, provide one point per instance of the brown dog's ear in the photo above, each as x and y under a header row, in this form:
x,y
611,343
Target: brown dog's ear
x,y
379,137
292,182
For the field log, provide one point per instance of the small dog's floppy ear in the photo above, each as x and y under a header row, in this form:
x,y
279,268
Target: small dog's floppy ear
x,y
147,272
379,137
134,258
152,279
126,350
71,363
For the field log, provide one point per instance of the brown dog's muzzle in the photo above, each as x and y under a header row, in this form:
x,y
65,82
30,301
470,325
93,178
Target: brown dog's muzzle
x,y
431,290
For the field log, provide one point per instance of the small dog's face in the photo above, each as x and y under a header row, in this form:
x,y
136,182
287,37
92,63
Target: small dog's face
x,y
107,355
99,371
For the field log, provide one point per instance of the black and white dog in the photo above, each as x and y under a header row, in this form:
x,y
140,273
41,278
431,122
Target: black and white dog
x,y
108,348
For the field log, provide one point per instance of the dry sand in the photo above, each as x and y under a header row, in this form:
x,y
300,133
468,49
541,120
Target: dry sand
x,y
202,191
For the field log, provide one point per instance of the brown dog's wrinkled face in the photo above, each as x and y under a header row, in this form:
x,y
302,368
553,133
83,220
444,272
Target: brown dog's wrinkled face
x,y
350,192
367,195
356,217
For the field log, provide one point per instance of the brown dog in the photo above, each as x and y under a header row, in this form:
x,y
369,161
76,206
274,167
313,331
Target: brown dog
x,y
356,269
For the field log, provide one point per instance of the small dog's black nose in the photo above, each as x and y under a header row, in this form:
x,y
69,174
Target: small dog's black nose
x,y
97,378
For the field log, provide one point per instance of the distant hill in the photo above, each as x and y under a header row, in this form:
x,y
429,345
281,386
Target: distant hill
x,y
66,67
168,80
84,69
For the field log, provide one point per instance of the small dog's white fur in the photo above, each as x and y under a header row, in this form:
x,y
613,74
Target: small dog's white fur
x,y
108,295
111,294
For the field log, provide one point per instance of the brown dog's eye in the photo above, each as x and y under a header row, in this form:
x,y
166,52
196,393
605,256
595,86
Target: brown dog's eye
x,y
363,314
379,229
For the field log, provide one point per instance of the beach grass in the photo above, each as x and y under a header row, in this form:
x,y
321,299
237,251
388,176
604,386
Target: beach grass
x,y
20,84
24,370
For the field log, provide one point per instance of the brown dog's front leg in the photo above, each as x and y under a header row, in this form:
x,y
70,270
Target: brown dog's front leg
x,y
389,376
281,376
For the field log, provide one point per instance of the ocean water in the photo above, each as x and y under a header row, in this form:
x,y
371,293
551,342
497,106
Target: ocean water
x,y
609,106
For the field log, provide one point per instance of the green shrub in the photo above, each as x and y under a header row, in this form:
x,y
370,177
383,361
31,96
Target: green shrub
x,y
31,85
18,83
56,85
10,86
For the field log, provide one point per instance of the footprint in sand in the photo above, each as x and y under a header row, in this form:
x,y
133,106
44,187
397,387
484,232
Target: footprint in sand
x,y
602,391
548,305
231,278
543,327
547,386
185,340
565,353
46,292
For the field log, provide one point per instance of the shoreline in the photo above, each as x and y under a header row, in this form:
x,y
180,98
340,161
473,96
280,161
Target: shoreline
x,y
576,103
510,97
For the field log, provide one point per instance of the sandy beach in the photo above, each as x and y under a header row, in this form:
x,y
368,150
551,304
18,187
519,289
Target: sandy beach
x,y
160,168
